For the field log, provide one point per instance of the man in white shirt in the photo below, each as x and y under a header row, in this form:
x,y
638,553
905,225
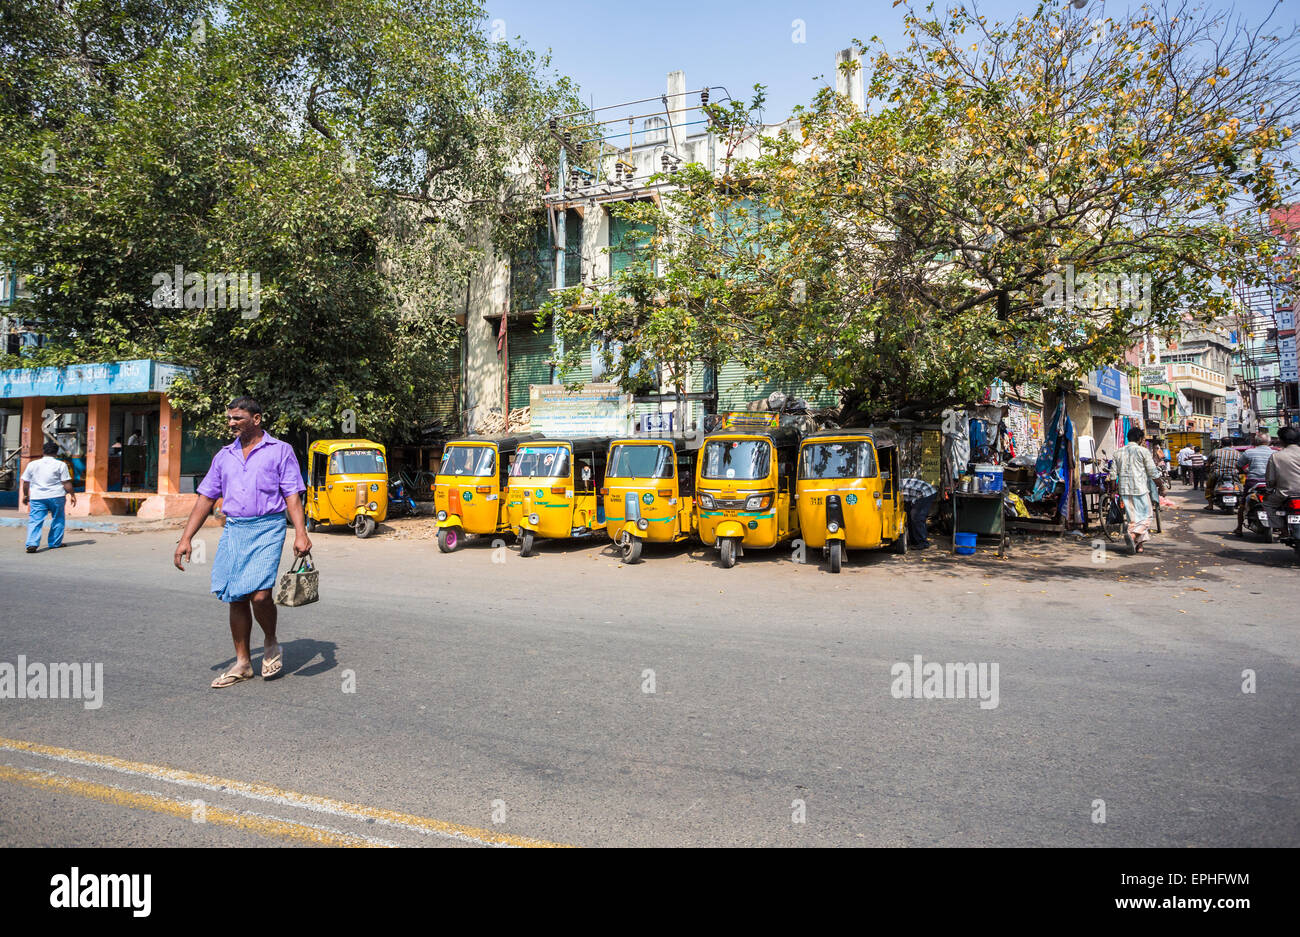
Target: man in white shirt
x,y
45,483
1184,469
137,439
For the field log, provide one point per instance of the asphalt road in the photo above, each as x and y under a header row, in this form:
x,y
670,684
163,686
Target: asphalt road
x,y
507,702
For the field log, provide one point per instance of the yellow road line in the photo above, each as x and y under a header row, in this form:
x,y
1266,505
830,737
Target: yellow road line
x,y
266,792
265,826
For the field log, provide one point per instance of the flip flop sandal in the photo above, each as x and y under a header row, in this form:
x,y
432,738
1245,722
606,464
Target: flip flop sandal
x,y
271,666
230,678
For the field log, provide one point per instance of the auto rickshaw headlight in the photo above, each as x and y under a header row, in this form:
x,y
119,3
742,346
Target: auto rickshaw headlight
x,y
755,502
534,519
642,524
373,505
832,527
706,502
442,515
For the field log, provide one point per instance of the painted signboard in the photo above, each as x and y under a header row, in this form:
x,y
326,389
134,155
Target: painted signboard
x,y
1286,353
80,380
595,410
1153,375
1109,386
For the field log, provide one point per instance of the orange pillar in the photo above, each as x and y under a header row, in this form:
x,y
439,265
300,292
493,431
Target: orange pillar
x,y
97,442
169,449
168,502
32,439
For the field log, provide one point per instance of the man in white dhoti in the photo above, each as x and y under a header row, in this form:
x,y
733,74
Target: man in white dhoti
x,y
1135,470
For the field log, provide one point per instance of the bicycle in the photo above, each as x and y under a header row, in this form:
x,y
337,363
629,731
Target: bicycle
x,y
1111,508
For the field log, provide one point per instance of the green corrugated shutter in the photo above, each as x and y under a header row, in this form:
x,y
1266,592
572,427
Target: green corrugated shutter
x,y
529,361
443,402
626,241
738,386
532,270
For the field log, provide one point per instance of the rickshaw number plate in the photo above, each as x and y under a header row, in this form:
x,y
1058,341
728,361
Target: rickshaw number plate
x,y
729,513
815,500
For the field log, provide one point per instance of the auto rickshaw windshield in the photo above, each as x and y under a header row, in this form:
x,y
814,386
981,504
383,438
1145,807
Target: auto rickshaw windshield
x,y
737,458
474,461
357,462
540,462
640,462
838,460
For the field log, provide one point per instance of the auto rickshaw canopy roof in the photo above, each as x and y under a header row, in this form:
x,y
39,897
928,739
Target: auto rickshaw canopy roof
x,y
328,446
780,436
681,442
881,437
579,443
505,443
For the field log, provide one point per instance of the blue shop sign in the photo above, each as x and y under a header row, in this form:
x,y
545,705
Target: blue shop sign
x,y
81,380
1110,386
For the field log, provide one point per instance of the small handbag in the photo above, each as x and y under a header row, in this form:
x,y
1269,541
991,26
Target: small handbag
x,y
299,584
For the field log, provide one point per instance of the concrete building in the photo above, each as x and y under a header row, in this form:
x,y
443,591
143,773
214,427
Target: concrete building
x,y
1199,365
580,241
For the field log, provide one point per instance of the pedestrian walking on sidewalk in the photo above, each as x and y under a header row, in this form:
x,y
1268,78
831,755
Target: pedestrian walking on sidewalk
x,y
1196,462
46,482
258,479
1135,470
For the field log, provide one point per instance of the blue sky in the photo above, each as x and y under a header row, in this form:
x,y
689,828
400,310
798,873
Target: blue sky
x,y
622,51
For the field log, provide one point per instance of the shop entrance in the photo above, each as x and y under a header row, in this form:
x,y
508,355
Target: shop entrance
x,y
133,452
11,421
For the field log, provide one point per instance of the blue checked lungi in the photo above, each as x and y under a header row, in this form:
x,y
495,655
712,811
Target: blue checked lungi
x,y
248,556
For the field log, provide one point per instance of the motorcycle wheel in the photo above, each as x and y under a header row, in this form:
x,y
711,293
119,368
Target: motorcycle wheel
x,y
836,558
526,540
727,552
448,539
632,550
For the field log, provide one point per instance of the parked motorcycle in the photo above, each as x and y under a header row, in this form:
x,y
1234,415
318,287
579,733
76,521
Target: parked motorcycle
x,y
400,504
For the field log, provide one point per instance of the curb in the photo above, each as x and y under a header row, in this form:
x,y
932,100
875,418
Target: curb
x,y
110,527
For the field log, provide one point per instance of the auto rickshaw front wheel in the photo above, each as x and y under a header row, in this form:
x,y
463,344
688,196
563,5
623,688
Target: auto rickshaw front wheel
x,y
631,549
900,542
526,543
449,539
835,557
363,526
727,552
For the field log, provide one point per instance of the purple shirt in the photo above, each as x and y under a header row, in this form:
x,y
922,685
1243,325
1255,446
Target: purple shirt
x,y
257,486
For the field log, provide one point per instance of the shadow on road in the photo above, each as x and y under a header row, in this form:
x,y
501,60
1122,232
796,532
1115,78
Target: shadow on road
x,y
299,658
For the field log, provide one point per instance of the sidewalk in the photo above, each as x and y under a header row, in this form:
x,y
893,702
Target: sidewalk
x,y
112,524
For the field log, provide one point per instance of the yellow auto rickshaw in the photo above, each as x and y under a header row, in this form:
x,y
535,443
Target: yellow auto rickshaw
x,y
847,493
468,487
554,489
649,491
347,483
744,490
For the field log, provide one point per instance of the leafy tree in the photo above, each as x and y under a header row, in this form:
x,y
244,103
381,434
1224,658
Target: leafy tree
x,y
911,253
351,154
